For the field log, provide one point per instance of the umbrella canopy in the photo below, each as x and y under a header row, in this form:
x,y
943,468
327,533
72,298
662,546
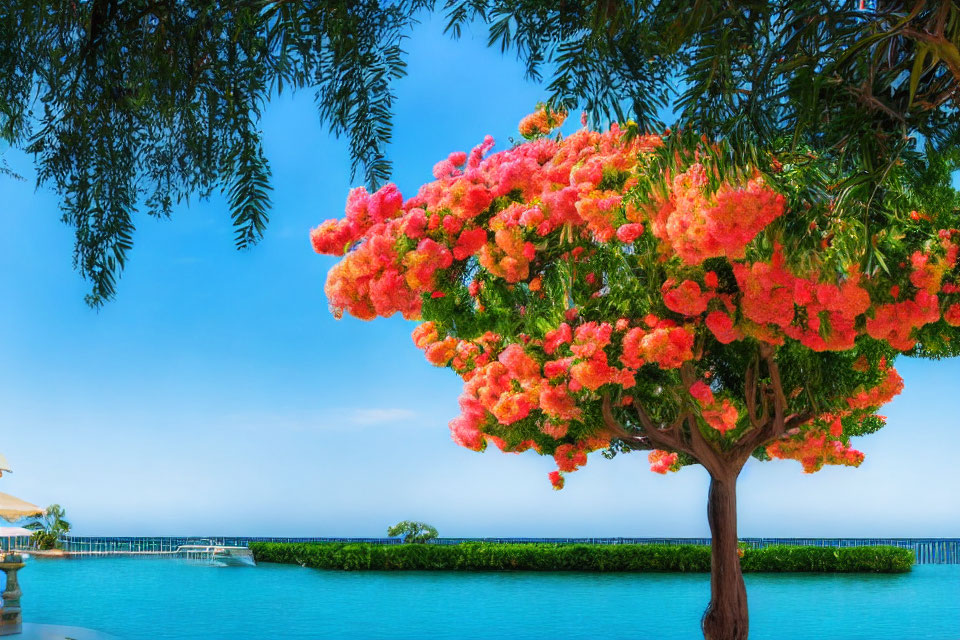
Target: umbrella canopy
x,y
4,465
12,509
14,532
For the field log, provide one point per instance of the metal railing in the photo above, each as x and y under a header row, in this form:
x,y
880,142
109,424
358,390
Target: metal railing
x,y
18,543
927,550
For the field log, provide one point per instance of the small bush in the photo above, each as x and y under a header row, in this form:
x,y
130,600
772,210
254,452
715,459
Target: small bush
x,y
482,556
44,539
413,532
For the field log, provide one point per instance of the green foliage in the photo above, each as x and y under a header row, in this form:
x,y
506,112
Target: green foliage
x,y
49,527
44,540
761,74
879,559
413,532
141,104
482,556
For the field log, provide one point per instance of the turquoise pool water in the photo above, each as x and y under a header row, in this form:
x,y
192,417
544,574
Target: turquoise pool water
x,y
161,598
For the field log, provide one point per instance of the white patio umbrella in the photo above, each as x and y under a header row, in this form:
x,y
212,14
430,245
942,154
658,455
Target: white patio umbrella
x,y
13,508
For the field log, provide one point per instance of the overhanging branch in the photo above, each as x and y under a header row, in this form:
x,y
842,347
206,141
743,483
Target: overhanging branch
x,y
653,436
616,430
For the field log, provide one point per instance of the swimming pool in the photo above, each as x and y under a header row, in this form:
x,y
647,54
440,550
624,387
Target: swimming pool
x,y
140,598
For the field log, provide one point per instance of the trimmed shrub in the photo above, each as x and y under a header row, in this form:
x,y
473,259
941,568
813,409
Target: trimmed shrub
x,y
483,556
878,559
413,532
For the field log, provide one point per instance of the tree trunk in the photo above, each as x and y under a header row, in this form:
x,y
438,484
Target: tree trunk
x,y
726,617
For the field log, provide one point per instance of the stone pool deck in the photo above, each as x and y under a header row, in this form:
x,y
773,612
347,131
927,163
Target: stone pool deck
x,y
56,632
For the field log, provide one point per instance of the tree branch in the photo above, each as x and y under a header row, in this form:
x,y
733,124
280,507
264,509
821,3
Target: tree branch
x,y
775,427
776,386
653,436
616,429
944,49
717,462
750,393
668,437
797,419
714,461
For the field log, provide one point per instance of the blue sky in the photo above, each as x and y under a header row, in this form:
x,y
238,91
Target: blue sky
x,y
217,395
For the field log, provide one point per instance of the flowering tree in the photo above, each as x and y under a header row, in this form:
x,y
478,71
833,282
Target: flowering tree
x,y
620,291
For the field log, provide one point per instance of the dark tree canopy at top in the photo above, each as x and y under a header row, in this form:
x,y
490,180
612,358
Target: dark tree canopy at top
x,y
138,104
142,103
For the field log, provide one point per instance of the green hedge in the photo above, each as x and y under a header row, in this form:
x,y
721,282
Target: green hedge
x,y
880,559
481,556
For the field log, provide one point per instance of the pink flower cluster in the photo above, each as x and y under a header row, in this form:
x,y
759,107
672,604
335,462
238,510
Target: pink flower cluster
x,y
721,415
541,122
589,367
820,441
504,385
393,250
553,225
695,224
813,449
875,397
660,342
952,315
798,307
663,461
364,211
895,321
370,281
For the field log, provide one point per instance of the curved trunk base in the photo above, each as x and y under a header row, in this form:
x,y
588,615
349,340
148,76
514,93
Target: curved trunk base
x,y
726,617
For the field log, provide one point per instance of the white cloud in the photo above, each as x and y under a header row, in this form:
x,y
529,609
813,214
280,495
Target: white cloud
x,y
327,419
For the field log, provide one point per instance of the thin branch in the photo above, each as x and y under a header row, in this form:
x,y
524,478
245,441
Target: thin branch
x,y
667,438
797,419
770,433
644,418
615,429
688,375
718,463
776,386
653,436
750,392
867,98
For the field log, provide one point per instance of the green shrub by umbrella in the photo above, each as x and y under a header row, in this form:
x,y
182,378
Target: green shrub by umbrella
x,y
48,528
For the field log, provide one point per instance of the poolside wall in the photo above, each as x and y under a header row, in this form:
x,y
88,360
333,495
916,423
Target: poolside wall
x,y
928,550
